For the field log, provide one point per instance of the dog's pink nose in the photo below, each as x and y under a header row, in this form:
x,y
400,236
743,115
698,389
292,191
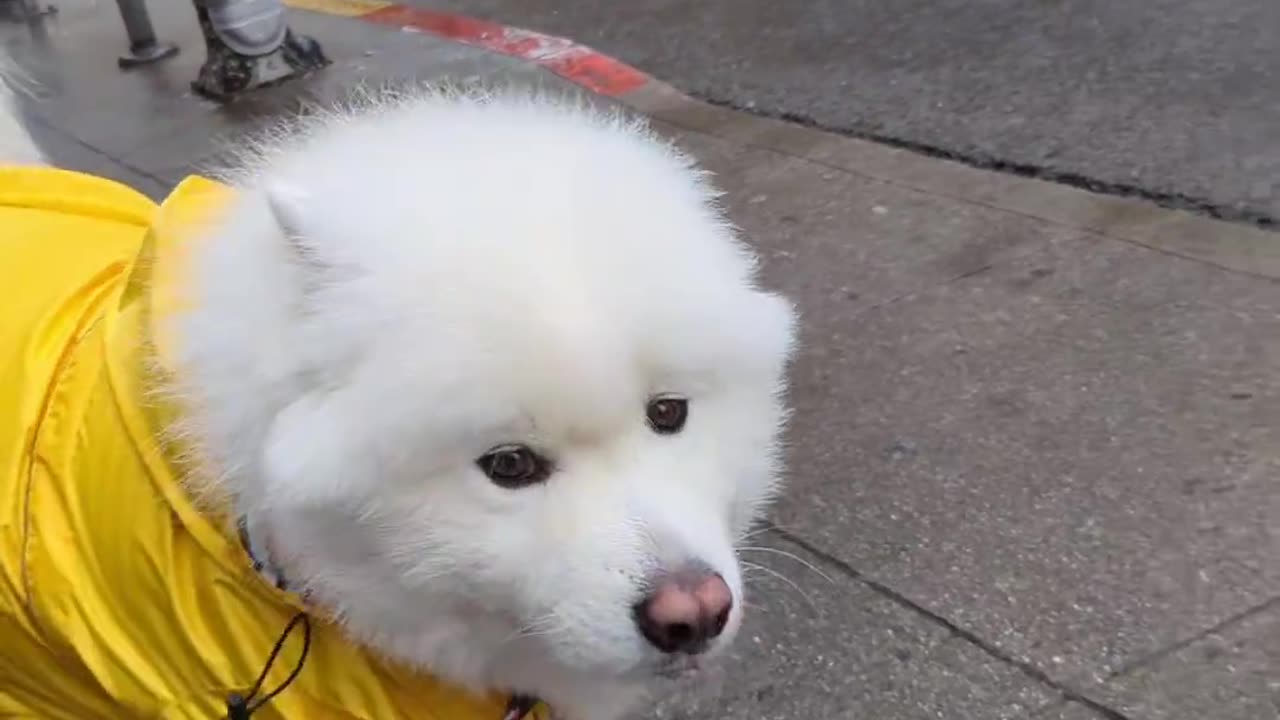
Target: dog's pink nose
x,y
685,611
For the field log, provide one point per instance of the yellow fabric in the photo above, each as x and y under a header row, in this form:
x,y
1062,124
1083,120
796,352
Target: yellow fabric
x,y
118,599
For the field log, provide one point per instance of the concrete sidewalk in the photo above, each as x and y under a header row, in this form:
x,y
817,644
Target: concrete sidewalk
x,y
1038,430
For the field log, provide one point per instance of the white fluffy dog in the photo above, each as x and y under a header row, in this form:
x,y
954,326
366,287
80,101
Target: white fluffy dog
x,y
493,378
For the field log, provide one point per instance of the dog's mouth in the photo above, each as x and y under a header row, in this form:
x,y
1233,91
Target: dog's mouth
x,y
679,667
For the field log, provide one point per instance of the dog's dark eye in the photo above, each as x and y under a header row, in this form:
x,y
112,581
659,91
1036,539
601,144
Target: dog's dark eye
x,y
667,414
514,466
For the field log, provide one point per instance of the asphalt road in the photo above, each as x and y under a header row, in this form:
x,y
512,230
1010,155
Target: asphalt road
x,y
1174,100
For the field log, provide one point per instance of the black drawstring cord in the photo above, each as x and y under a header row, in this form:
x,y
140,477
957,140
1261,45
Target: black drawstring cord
x,y
240,707
520,707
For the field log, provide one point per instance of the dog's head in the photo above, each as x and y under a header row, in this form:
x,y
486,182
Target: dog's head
x,y
513,390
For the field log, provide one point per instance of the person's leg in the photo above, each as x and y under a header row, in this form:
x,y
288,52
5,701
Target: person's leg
x,y
250,45
144,48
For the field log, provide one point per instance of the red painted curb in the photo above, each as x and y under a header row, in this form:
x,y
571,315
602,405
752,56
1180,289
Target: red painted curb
x,y
571,61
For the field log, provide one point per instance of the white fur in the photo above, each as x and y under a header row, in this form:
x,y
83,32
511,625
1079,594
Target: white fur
x,y
402,287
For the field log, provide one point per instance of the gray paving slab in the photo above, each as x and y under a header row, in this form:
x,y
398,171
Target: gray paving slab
x,y
1170,96
1027,527
1071,452
861,244
1226,675
1061,442
826,646
1232,246
64,150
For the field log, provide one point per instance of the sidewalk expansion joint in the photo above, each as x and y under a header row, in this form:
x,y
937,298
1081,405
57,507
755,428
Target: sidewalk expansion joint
x,y
1082,230
1166,651
46,124
1170,200
1068,693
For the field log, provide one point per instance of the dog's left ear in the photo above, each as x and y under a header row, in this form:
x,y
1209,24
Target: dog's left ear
x,y
307,455
288,206
286,203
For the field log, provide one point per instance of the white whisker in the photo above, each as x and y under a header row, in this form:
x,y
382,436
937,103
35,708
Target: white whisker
x,y
788,581
791,556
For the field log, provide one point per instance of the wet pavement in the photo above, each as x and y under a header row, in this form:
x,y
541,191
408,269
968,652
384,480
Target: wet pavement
x,y
1037,437
1177,99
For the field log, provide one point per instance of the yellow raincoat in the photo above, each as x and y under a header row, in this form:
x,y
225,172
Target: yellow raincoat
x,y
117,598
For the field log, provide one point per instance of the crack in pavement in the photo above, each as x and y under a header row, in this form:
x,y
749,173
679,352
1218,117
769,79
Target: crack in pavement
x,y
1170,649
47,125
1170,200
1067,692
676,126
